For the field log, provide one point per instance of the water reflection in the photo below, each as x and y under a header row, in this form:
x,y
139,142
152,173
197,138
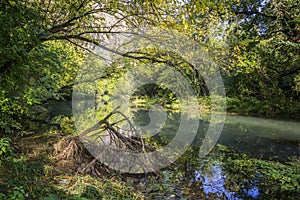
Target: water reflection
x,y
257,137
253,192
213,182
263,138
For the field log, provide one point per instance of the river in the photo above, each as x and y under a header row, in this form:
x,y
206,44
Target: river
x,y
266,143
259,137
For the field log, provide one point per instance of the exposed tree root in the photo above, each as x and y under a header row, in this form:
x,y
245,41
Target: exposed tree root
x,y
72,155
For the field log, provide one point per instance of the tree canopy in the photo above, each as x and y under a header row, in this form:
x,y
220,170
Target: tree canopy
x,y
44,42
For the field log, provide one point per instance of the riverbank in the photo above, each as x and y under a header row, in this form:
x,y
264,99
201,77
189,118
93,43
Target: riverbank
x,y
31,172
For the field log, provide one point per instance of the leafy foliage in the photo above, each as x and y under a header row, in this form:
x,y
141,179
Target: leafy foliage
x,y
43,43
284,177
5,150
264,47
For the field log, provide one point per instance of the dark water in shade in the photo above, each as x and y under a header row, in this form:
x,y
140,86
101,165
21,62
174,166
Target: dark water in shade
x,y
262,138
258,137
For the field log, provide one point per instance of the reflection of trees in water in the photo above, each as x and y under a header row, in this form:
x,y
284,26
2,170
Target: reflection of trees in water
x,y
111,133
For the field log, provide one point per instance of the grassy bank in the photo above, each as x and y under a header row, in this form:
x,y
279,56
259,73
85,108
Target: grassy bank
x,y
32,169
